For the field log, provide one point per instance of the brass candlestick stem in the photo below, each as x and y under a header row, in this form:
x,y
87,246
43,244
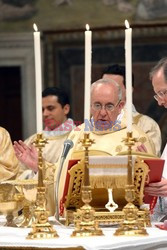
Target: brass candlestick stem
x,y
41,228
131,225
84,218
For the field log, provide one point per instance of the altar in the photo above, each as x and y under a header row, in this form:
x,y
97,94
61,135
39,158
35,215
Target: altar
x,y
15,238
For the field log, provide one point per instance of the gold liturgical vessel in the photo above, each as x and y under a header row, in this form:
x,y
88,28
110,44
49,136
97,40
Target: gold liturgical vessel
x,y
84,217
131,225
41,228
26,200
27,217
10,203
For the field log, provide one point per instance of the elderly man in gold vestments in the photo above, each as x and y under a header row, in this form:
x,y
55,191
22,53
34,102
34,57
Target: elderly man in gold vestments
x,y
106,105
8,161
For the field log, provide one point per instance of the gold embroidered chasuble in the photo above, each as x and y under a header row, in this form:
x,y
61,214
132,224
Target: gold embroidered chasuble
x,y
8,162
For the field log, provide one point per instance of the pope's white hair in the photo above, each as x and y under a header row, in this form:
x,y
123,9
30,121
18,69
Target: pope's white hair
x,y
109,82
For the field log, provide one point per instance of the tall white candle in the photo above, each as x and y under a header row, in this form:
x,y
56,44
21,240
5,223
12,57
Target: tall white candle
x,y
38,79
88,57
128,62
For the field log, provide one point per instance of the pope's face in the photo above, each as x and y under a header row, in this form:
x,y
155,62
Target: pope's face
x,y
105,95
53,112
160,88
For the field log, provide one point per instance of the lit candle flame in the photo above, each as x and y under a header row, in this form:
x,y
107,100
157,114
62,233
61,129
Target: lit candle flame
x,y
87,26
35,27
127,24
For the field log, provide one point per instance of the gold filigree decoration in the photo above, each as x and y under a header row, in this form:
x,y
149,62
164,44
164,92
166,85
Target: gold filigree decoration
x,y
118,149
140,177
142,140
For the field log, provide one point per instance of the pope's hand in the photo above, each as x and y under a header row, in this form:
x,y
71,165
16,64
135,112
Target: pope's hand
x,y
26,154
157,188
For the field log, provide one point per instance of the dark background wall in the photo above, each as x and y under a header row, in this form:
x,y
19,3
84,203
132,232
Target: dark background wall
x,y
62,26
64,64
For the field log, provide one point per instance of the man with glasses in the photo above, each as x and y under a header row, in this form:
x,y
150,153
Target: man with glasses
x,y
106,105
104,110
160,96
146,123
158,76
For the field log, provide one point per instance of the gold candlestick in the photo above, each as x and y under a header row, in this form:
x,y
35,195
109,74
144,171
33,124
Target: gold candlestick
x,y
41,228
84,218
131,226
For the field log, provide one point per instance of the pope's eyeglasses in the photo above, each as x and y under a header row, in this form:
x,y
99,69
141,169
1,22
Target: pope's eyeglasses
x,y
108,107
160,95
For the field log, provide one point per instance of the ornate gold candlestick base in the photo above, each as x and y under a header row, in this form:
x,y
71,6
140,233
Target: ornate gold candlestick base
x,y
131,226
84,218
41,228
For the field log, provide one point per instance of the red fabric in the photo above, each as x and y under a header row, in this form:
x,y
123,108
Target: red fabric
x,y
161,226
155,174
63,199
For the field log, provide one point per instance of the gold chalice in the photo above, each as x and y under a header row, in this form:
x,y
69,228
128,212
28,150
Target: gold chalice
x,y
8,208
10,202
27,190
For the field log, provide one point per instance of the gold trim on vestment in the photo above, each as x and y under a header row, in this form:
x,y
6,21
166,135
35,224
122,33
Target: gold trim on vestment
x,y
142,154
78,154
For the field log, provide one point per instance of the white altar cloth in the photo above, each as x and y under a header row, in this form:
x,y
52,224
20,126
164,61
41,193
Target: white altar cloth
x,y
16,237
